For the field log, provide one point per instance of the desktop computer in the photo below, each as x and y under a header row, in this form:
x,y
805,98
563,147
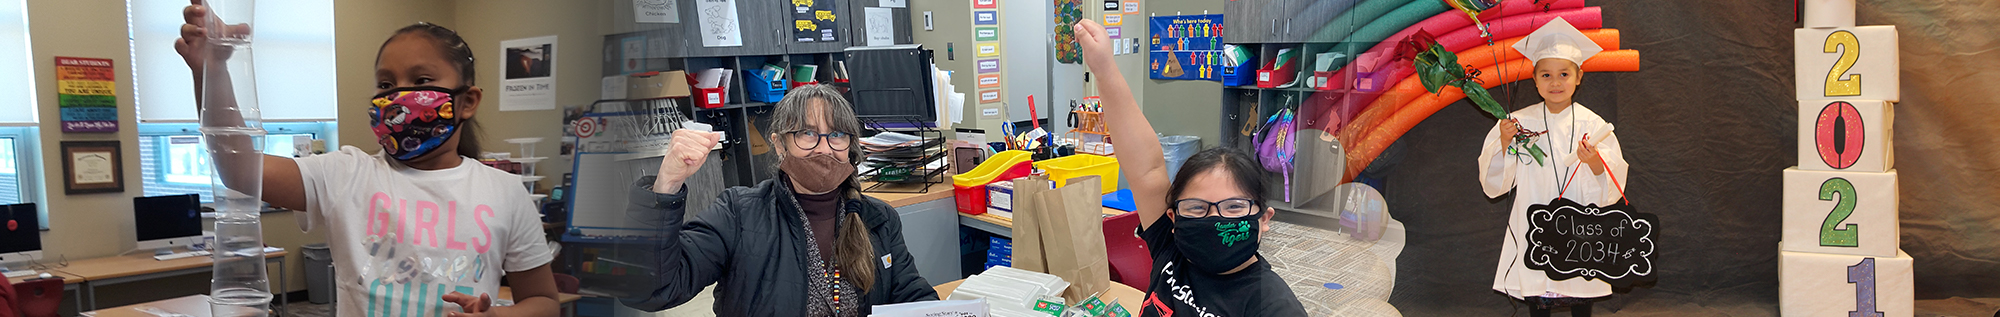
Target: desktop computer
x,y
20,236
164,222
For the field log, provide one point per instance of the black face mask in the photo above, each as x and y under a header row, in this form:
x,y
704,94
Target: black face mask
x,y
1223,243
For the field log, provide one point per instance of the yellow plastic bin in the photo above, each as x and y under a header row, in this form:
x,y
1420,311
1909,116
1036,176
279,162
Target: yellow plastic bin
x,y
1062,169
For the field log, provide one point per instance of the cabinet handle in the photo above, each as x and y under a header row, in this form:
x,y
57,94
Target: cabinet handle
x,y
1288,26
1274,28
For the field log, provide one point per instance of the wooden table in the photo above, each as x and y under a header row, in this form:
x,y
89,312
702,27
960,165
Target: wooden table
x,y
71,283
1130,298
1004,227
937,191
507,293
138,267
567,300
197,305
191,305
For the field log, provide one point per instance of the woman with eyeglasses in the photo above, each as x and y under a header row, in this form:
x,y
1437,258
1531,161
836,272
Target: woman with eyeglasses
x,y
804,243
1202,227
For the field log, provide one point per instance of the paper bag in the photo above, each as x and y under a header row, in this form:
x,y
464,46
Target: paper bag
x,y
1072,226
1027,232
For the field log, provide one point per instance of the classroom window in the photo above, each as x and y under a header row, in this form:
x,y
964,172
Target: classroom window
x,y
18,110
173,160
293,55
17,179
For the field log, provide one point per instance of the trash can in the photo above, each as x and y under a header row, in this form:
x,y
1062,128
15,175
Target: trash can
x,y
1177,149
319,273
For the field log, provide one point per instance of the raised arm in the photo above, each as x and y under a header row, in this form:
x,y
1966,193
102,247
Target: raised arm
x,y
280,181
1140,158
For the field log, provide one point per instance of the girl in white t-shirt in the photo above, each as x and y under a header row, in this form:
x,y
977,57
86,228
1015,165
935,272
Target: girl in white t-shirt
x,y
417,229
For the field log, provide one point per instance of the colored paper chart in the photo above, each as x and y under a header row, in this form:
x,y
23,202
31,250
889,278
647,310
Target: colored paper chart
x,y
1185,47
86,94
986,46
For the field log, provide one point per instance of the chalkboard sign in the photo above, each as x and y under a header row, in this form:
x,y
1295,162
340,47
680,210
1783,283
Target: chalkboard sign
x,y
1615,244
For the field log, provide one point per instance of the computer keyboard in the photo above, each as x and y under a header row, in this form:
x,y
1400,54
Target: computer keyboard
x,y
21,273
176,256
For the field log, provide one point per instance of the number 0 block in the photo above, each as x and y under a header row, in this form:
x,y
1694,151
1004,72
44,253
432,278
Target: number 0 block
x,y
1812,284
1840,213
1857,63
1847,135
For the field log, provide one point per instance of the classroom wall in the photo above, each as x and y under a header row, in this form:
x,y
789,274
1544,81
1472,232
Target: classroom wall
x,y
1183,107
88,226
579,45
952,28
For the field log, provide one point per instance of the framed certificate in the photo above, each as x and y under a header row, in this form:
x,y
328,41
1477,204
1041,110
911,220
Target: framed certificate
x,y
92,167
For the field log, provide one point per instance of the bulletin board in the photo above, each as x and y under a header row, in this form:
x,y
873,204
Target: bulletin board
x,y
814,21
1185,47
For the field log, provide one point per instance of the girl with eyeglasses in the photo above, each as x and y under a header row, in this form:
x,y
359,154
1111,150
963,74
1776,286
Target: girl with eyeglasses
x,y
1202,227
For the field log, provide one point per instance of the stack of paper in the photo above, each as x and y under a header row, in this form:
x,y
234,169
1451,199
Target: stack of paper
x,y
805,73
952,101
953,308
1285,57
1234,55
1323,62
714,78
1010,291
771,72
897,157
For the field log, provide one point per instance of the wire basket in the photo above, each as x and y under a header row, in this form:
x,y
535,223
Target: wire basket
x,y
637,126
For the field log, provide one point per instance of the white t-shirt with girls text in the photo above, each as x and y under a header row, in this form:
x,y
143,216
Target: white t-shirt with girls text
x,y
402,238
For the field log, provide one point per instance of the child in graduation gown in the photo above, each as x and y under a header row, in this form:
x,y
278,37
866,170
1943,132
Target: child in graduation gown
x,y
1578,166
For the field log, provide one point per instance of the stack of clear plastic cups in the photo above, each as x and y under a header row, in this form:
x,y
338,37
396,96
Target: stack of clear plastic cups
x,y
232,127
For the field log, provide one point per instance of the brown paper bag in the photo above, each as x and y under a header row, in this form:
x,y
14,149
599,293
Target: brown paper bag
x,y
1072,226
1027,232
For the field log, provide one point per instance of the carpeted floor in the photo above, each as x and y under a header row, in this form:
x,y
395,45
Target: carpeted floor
x,y
1333,274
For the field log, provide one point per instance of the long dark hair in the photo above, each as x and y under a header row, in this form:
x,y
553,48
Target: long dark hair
x,y
852,249
1241,167
460,55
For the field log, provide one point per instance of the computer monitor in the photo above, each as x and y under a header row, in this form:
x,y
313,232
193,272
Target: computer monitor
x,y
20,234
164,222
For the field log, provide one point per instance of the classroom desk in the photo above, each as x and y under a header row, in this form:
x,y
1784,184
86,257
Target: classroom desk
x,y
937,191
930,227
138,267
197,306
1130,298
1004,227
70,284
567,300
191,305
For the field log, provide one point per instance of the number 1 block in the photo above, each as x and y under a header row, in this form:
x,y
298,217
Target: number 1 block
x,y
1822,14
1832,285
1847,135
1840,213
1852,63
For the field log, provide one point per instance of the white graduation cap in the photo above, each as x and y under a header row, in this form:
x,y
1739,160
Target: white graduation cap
x,y
1558,39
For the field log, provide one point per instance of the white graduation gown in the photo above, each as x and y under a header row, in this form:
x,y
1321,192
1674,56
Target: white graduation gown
x,y
1535,184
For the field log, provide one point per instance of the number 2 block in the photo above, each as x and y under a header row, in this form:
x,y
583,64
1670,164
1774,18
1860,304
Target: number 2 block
x,y
1832,285
1857,63
1840,213
1847,135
